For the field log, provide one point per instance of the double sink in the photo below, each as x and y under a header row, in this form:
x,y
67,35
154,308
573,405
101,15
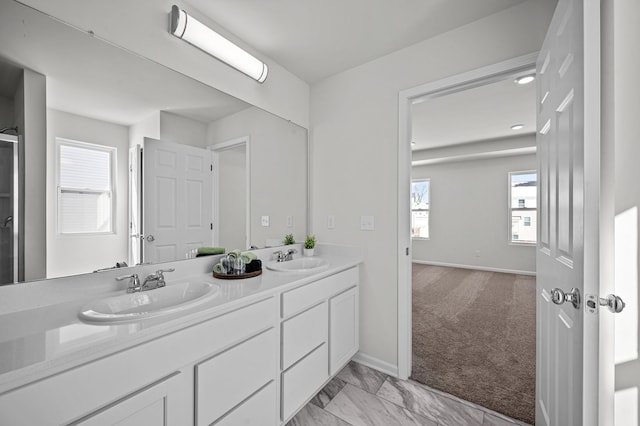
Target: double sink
x,y
176,297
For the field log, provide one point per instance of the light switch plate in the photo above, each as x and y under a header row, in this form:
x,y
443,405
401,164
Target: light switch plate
x,y
331,222
265,221
366,223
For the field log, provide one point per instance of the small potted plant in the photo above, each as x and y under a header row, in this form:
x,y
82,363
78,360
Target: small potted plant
x,y
309,245
288,239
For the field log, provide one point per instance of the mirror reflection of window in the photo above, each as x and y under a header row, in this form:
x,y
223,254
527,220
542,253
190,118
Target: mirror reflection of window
x,y
85,188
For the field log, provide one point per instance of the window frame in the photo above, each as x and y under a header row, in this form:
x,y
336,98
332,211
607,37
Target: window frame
x,y
510,208
411,210
112,151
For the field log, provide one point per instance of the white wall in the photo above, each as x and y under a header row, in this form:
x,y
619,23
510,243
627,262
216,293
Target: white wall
x,y
469,222
90,252
278,152
31,118
6,112
182,130
142,27
624,107
354,135
232,196
148,128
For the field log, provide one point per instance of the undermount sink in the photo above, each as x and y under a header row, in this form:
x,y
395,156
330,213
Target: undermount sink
x,y
300,264
150,303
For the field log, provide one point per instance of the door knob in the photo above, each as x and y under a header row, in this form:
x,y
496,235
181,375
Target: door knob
x,y
151,238
559,297
613,302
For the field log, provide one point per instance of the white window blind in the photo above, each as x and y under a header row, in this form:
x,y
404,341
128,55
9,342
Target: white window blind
x,y
85,188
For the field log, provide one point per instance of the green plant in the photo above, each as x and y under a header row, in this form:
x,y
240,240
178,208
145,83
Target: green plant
x,y
310,242
288,239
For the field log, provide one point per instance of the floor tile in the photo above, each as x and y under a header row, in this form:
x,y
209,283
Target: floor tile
x,y
421,400
362,376
359,407
310,415
327,393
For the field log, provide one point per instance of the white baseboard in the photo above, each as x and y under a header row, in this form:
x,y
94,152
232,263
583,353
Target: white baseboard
x,y
376,364
479,268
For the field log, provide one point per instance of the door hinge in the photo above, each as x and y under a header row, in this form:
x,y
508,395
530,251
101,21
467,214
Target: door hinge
x,y
407,251
211,167
212,226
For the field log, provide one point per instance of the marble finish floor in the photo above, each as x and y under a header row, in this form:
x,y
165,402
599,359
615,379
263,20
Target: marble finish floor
x,y
362,396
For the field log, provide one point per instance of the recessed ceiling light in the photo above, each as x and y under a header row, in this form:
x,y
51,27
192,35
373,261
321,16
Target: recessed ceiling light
x,y
525,79
517,126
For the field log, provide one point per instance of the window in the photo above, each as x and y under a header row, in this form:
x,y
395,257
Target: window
x,y
420,208
522,206
85,187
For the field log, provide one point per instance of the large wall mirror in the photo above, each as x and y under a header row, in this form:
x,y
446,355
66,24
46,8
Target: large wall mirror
x,y
110,158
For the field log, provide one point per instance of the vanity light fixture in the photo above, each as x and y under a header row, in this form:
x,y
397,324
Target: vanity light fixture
x,y
189,29
517,126
525,79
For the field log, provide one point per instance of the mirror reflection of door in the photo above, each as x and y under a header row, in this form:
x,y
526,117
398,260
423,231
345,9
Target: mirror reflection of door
x,y
8,201
231,199
177,194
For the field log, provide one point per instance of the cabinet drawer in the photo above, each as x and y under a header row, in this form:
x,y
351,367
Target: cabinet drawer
x,y
228,378
308,295
260,409
302,333
303,380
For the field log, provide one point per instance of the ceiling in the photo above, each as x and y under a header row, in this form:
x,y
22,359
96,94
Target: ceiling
x,y
478,114
316,39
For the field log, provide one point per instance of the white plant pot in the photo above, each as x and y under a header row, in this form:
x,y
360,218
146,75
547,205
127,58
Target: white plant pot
x,y
307,252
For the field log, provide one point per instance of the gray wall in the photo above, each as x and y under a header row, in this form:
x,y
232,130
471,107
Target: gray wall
x,y
278,152
469,217
90,252
354,136
31,117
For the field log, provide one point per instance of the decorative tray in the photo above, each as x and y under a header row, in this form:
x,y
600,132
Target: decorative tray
x,y
237,277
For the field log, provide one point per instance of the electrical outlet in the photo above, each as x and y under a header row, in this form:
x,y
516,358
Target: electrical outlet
x,y
265,221
477,253
366,223
331,222
289,221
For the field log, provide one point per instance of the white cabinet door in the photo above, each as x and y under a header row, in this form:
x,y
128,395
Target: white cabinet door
x,y
148,407
343,329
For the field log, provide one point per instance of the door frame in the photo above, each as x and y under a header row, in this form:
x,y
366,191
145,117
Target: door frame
x,y
216,149
406,98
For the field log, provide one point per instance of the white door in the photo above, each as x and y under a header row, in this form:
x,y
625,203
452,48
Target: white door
x,y
568,255
177,193
135,204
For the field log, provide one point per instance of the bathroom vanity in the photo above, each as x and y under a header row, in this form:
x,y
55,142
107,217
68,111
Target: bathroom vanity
x,y
255,353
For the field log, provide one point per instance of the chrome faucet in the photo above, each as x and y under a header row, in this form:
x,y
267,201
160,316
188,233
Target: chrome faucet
x,y
284,255
152,281
155,280
134,284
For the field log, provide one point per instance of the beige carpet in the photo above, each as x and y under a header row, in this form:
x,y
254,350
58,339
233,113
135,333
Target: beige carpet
x,y
474,337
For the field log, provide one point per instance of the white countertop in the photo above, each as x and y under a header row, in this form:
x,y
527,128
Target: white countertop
x,y
39,339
